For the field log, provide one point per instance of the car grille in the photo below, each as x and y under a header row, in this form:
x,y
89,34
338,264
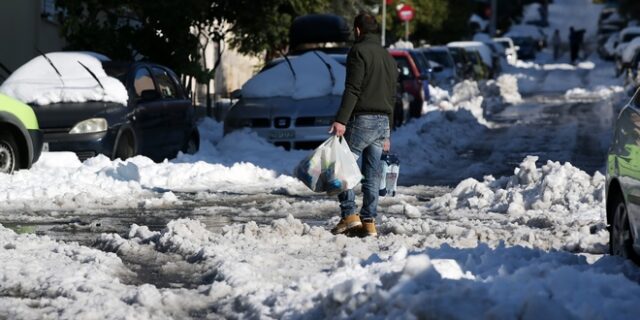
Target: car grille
x,y
282,122
84,155
260,123
55,130
307,145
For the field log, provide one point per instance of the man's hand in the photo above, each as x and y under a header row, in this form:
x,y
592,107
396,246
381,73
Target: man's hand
x,y
386,146
338,129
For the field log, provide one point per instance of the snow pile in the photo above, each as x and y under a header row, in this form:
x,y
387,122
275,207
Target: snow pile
x,y
38,82
502,91
598,93
554,187
426,143
401,44
292,270
42,278
316,75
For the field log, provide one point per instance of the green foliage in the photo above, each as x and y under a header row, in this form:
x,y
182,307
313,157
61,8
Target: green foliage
x,y
630,8
264,25
436,21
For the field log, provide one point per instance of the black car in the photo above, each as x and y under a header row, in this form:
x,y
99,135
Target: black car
x,y
527,47
157,122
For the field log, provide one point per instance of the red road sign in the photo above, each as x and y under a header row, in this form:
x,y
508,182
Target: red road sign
x,y
405,12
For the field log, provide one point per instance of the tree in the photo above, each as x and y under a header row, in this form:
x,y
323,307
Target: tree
x,y
263,26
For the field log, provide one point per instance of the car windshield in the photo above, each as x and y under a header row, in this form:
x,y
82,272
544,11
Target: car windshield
x,y
116,70
441,57
421,62
630,36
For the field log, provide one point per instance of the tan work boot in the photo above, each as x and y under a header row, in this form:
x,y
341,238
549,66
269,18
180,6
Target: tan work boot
x,y
347,223
368,229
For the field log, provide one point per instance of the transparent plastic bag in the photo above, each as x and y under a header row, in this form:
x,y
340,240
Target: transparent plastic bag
x,y
330,168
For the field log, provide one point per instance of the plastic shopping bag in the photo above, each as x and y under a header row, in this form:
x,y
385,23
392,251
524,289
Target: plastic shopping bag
x,y
330,168
390,172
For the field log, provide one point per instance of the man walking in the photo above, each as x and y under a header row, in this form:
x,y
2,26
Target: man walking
x,y
364,119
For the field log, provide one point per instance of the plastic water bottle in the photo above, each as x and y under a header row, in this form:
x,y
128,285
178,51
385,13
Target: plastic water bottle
x,y
390,172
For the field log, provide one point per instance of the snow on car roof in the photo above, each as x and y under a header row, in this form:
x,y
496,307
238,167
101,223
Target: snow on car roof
x,y
629,30
522,30
312,78
38,82
485,52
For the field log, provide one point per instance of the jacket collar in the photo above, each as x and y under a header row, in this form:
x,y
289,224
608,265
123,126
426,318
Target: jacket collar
x,y
369,38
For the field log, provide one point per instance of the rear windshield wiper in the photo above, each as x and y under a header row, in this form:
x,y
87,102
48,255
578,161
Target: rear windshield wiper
x,y
52,65
290,66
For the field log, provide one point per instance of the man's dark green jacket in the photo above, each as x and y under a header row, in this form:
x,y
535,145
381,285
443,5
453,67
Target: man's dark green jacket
x,y
370,86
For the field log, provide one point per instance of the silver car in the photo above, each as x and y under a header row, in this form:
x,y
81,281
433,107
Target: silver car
x,y
285,121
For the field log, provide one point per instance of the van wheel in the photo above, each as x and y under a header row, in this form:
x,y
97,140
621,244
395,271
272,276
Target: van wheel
x,y
126,147
620,237
193,145
9,157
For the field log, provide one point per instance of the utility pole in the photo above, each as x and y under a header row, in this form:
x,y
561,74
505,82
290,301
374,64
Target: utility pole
x,y
494,17
384,21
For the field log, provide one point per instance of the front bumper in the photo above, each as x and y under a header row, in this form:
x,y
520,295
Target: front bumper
x,y
85,146
293,137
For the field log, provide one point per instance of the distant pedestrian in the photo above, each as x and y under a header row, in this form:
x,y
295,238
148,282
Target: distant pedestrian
x,y
364,119
555,42
573,44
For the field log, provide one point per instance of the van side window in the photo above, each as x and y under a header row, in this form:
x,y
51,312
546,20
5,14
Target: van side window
x,y
143,81
165,84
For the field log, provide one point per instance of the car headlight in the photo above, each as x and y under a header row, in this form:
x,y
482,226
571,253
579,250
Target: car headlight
x,y
90,126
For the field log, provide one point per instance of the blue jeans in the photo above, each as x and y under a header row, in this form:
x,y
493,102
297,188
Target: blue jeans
x,y
365,135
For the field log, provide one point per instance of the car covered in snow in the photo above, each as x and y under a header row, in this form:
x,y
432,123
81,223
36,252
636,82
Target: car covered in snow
x,y
528,31
89,105
20,136
622,181
624,38
292,102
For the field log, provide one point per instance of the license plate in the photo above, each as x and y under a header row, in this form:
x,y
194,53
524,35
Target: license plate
x,y
282,134
45,147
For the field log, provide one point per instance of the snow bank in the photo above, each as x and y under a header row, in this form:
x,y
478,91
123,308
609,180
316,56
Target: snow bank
x,y
598,93
313,78
292,270
42,278
554,187
37,81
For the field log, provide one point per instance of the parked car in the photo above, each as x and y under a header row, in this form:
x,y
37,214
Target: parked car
x,y
463,62
448,75
622,179
425,68
608,48
528,31
486,54
626,35
20,136
510,49
412,81
156,118
527,47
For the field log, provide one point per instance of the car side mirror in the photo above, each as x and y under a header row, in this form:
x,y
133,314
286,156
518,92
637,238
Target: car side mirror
x,y
236,94
149,95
